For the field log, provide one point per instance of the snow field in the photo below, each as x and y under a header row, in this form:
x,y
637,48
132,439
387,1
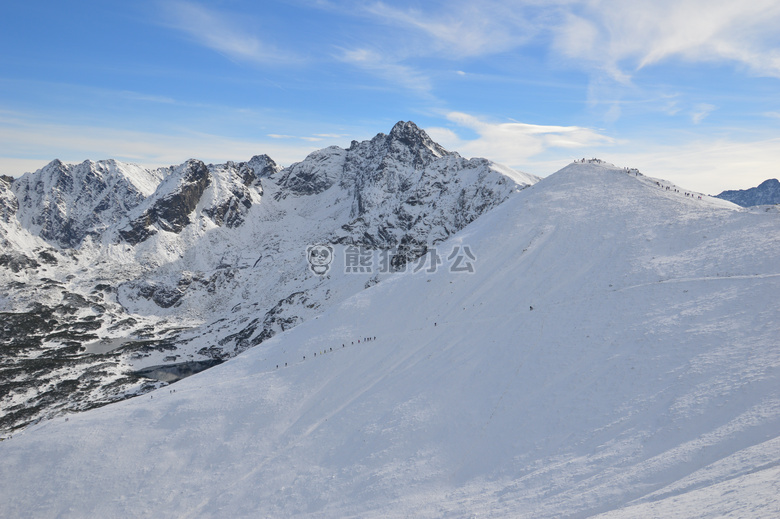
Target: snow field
x,y
644,381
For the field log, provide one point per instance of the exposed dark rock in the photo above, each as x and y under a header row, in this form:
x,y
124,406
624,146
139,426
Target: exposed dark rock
x,y
47,257
146,346
231,212
17,262
123,324
163,296
171,212
137,231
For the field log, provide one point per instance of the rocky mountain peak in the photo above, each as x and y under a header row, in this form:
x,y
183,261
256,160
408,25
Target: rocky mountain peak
x,y
408,134
263,166
766,193
409,144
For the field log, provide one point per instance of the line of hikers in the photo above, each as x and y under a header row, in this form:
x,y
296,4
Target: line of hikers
x,y
668,188
343,345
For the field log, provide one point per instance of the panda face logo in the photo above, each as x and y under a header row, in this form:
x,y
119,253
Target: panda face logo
x,y
320,257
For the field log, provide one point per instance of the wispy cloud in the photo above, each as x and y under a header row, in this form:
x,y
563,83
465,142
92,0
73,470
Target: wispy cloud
x,y
387,69
137,96
462,29
222,32
514,143
609,39
620,37
701,111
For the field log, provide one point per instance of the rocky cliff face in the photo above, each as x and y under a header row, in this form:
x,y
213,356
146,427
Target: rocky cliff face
x,y
8,203
64,204
767,193
175,199
224,193
115,269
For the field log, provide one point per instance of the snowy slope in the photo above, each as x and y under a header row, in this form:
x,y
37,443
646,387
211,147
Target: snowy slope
x,y
614,352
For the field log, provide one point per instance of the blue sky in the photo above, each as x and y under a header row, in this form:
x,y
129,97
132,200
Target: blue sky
x,y
686,90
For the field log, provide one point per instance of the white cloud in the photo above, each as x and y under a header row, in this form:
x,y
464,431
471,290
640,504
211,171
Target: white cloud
x,y
701,111
703,164
613,36
222,33
387,69
462,29
514,143
616,36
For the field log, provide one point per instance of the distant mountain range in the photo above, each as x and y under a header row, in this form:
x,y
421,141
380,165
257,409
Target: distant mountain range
x,y
767,193
112,273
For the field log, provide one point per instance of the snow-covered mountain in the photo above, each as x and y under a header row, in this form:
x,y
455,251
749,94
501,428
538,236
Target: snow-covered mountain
x,y
64,204
766,193
612,351
110,272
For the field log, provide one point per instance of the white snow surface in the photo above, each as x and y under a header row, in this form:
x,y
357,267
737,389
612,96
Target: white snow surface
x,y
615,352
